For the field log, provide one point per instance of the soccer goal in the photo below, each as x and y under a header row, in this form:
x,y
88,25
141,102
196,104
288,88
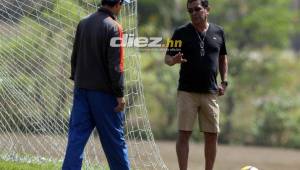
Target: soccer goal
x,y
36,38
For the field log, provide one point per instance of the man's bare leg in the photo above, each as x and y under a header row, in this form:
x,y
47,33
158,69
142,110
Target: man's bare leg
x,y
210,149
182,148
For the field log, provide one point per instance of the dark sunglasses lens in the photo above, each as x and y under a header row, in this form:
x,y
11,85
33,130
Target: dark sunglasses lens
x,y
191,10
197,9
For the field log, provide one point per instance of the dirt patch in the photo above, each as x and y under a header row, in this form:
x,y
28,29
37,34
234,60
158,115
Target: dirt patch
x,y
234,157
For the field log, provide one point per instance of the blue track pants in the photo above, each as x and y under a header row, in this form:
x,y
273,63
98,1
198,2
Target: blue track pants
x,y
92,109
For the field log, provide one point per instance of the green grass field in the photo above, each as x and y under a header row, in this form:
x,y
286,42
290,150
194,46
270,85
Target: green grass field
x,y
9,165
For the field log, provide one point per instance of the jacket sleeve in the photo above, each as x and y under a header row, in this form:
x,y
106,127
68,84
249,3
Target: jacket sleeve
x,y
116,62
74,52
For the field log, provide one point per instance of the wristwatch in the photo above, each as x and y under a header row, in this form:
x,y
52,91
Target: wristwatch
x,y
224,83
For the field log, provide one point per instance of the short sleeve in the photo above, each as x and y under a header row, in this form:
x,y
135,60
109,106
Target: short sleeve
x,y
174,44
223,50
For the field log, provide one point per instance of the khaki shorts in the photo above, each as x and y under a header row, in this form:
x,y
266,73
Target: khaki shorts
x,y
189,105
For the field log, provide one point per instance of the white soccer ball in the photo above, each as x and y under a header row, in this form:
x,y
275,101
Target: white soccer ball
x,y
249,168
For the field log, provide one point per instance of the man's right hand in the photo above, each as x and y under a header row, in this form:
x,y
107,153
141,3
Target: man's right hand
x,y
121,104
178,58
171,60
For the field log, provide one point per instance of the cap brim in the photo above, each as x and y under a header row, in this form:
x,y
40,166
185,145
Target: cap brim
x,y
126,1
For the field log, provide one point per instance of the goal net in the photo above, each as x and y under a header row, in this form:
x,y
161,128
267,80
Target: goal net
x,y
36,39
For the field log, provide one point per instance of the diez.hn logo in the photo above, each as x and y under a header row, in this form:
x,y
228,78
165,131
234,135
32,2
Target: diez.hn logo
x,y
129,40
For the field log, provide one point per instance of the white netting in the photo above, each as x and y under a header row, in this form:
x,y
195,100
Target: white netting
x,y
36,38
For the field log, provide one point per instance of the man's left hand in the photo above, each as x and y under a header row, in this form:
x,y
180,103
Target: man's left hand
x,y
121,104
222,89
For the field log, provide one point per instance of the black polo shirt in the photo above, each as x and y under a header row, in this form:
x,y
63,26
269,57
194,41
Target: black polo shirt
x,y
199,73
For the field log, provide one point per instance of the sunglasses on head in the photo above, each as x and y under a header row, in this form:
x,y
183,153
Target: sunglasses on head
x,y
196,9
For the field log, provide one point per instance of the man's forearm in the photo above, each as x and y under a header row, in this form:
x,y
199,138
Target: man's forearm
x,y
169,60
223,67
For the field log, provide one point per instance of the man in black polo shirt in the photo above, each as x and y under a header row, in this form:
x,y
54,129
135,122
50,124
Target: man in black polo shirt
x,y
202,55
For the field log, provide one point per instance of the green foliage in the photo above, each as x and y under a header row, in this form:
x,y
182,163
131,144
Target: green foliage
x,y
279,125
160,17
255,24
160,90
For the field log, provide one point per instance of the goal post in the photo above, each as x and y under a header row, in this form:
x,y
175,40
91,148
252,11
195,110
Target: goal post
x,y
36,39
